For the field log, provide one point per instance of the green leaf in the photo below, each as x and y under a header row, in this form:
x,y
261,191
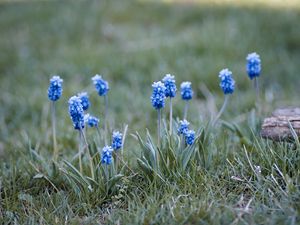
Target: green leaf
x,y
115,179
77,175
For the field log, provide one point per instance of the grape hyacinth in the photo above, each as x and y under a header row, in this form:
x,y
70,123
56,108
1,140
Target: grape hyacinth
x,y
158,102
76,112
158,95
227,85
117,140
186,94
189,137
91,121
100,85
183,127
169,82
102,88
84,100
55,88
106,155
54,93
253,66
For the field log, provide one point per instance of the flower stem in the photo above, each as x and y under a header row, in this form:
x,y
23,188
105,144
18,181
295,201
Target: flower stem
x,y
158,132
256,86
89,154
55,150
221,110
185,109
80,152
105,119
171,116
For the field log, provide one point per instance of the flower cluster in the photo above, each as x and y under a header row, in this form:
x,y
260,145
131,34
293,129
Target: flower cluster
x,y
55,88
186,90
183,126
100,85
91,121
158,95
253,66
169,82
106,155
189,137
116,140
84,100
227,83
76,112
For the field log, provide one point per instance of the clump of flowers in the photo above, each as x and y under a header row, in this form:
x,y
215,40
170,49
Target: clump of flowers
x,y
227,85
106,155
84,100
102,88
55,88
117,140
189,137
100,85
54,93
186,94
253,66
91,121
169,82
76,112
183,127
158,98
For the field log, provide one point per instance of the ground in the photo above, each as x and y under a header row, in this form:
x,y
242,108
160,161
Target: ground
x,y
132,44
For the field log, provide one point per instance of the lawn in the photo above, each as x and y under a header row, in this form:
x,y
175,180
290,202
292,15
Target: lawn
x,y
132,44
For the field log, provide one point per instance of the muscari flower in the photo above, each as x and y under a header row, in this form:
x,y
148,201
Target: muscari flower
x,y
55,88
189,137
106,155
100,85
116,140
158,95
84,100
183,126
227,83
76,112
170,85
186,90
92,121
253,66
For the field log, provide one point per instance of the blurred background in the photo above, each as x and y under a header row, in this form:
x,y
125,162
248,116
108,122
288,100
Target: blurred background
x,y
131,44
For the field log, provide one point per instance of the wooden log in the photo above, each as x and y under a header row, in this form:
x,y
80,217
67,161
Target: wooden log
x,y
278,126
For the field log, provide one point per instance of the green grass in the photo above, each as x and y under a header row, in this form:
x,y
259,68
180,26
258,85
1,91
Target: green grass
x,y
133,44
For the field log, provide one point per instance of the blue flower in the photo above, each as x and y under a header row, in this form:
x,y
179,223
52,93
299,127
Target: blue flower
x,y
158,95
183,126
253,66
227,83
55,88
116,140
100,85
170,85
84,100
76,112
189,137
186,90
106,155
91,120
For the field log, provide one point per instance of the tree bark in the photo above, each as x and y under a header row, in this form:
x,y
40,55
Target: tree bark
x,y
278,126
